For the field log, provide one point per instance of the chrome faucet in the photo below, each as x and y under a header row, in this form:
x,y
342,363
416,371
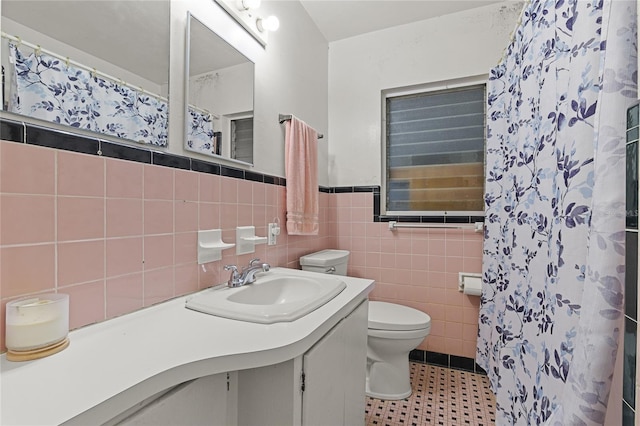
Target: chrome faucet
x,y
247,275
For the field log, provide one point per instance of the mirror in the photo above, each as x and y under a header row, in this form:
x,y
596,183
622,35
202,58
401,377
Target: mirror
x,y
219,110
97,65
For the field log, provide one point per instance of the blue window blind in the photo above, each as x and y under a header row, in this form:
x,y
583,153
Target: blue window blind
x,y
435,151
242,139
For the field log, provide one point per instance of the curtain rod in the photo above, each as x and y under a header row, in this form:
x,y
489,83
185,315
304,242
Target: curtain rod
x,y
38,50
204,111
477,227
286,117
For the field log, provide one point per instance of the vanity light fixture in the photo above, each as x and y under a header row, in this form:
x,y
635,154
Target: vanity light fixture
x,y
247,4
271,23
245,13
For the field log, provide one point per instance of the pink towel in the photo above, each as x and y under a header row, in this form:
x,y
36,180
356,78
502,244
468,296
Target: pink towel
x,y
301,168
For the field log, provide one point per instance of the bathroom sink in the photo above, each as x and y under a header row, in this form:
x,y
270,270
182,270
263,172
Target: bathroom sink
x,y
280,295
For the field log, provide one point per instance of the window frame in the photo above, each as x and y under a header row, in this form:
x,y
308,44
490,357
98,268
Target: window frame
x,y
228,134
233,136
459,83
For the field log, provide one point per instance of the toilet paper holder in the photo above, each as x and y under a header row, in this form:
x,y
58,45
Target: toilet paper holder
x,y
463,275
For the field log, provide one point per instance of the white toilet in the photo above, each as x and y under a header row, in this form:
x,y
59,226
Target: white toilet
x,y
394,331
326,262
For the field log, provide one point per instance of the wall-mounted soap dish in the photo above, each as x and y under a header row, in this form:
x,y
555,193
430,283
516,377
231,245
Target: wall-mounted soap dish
x,y
210,245
246,239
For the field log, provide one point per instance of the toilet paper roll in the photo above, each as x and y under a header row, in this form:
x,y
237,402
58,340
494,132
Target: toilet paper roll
x,y
472,286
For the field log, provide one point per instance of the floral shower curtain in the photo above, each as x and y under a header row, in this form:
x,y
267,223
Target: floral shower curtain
x,y
553,268
46,88
201,136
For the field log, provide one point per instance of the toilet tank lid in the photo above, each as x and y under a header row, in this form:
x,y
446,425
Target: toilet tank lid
x,y
325,258
391,316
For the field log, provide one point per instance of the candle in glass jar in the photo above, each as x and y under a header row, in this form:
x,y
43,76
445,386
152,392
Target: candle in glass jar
x,y
37,322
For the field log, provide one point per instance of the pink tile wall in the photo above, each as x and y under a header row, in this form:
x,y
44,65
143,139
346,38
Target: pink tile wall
x,y
413,267
118,236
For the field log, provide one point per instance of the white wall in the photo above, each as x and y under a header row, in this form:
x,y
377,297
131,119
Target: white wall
x,y
450,47
291,77
33,36
224,91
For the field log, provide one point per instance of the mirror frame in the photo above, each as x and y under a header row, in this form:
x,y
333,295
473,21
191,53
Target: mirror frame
x,y
187,120
132,79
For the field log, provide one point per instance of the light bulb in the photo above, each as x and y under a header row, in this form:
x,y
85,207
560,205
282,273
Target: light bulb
x,y
272,23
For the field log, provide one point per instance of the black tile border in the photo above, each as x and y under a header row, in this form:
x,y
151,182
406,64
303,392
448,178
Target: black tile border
x,y
430,219
30,134
124,152
377,217
205,167
42,136
418,355
231,172
15,131
462,363
170,160
12,131
253,176
343,190
445,360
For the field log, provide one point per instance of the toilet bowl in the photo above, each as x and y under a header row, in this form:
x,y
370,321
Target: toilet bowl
x,y
393,331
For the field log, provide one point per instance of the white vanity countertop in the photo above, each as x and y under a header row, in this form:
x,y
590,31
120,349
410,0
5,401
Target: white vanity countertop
x,y
110,366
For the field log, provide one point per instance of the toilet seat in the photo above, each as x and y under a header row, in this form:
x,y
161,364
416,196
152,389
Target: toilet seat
x,y
393,317
399,335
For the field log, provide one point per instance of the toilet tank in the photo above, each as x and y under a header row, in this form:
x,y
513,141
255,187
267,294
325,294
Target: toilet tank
x,y
326,262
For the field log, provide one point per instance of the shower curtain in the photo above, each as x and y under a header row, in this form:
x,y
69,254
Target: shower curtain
x,y
201,136
553,257
45,87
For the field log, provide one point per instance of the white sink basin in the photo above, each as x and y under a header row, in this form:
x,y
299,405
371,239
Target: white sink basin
x,y
280,295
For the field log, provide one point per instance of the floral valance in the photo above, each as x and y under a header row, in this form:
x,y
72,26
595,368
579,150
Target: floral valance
x,y
44,87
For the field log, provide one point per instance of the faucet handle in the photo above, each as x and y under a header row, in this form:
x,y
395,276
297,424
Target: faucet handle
x,y
232,268
235,278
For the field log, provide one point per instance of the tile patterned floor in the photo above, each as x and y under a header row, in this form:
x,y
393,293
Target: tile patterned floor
x,y
441,396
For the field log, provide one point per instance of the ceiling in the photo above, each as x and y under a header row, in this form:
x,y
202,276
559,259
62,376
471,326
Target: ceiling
x,y
339,19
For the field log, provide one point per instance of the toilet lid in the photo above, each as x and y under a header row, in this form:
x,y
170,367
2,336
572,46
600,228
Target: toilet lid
x,y
391,316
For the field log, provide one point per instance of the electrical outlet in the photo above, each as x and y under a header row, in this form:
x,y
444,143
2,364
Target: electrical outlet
x,y
273,231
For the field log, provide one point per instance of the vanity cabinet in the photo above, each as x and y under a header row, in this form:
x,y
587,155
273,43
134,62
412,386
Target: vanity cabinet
x,y
203,401
335,374
325,386
201,369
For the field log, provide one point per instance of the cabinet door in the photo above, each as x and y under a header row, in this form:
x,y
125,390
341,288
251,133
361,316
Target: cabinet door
x,y
355,359
335,374
323,397
199,402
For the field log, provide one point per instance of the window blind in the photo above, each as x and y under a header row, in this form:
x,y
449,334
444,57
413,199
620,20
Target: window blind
x,y
435,151
242,139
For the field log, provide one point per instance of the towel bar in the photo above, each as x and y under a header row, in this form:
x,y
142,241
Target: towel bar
x,y
477,227
286,117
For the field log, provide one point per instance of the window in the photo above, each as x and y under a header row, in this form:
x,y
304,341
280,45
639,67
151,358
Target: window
x,y
242,139
435,152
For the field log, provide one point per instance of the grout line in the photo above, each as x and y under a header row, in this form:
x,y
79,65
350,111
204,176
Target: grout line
x,y
55,220
104,237
144,203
